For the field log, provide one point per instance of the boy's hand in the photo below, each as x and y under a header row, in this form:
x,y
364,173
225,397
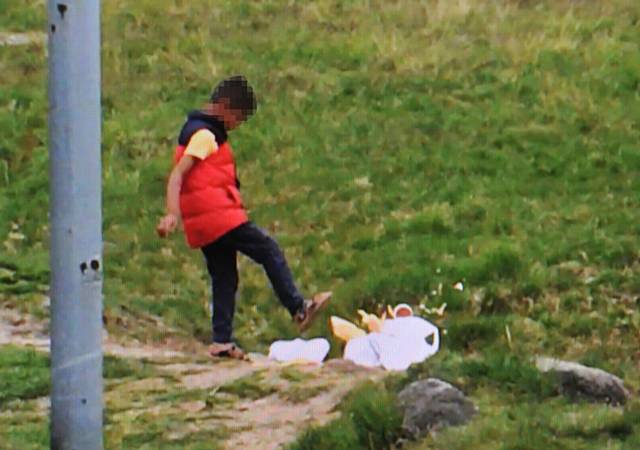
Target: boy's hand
x,y
169,222
167,225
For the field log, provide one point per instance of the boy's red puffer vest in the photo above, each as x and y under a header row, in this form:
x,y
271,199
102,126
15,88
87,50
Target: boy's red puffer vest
x,y
210,200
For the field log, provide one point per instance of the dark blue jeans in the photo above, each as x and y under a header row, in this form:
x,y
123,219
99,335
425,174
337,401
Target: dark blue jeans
x,y
220,255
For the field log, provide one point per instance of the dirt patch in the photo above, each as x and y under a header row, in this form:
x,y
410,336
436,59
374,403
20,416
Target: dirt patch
x,y
14,39
271,422
261,404
22,330
217,375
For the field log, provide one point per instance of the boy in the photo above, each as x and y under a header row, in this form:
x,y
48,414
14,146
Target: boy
x,y
203,193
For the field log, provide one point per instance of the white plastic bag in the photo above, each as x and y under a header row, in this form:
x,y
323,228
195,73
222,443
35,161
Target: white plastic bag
x,y
401,342
313,350
363,351
410,328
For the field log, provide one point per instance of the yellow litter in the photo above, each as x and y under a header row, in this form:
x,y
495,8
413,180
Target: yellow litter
x,y
345,330
373,322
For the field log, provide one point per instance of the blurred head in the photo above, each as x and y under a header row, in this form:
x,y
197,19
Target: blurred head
x,y
233,101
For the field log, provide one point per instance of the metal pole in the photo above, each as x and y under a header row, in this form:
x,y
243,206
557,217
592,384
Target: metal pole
x,y
76,224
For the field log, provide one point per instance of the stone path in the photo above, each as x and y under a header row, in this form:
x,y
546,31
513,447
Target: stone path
x,y
288,398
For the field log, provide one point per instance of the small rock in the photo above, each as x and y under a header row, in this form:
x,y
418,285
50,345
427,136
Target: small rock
x,y
578,381
433,404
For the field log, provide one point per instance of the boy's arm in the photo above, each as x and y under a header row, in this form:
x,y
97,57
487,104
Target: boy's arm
x,y
170,221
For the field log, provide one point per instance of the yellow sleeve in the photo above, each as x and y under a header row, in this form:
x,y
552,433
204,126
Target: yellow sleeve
x,y
202,144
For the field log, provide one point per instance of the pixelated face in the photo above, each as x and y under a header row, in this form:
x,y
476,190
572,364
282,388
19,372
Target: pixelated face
x,y
231,117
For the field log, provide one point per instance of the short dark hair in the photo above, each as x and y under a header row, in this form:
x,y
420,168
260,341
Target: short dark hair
x,y
238,92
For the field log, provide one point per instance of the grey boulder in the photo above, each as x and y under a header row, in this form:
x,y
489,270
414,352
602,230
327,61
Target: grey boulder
x,y
433,404
581,382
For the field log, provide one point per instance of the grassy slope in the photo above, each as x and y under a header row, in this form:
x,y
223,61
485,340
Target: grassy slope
x,y
24,377
393,152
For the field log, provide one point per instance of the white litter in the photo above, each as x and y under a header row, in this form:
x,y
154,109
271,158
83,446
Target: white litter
x,y
400,343
313,350
363,350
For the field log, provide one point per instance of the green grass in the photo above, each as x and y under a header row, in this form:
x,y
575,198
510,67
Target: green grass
x,y
518,409
300,394
552,424
496,367
369,420
18,16
125,368
398,148
152,438
249,387
27,435
24,374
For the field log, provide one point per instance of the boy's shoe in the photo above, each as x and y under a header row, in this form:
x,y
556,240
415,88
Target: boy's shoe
x,y
227,350
310,310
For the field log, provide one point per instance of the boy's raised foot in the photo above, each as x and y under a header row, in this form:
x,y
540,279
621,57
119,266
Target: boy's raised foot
x,y
310,311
